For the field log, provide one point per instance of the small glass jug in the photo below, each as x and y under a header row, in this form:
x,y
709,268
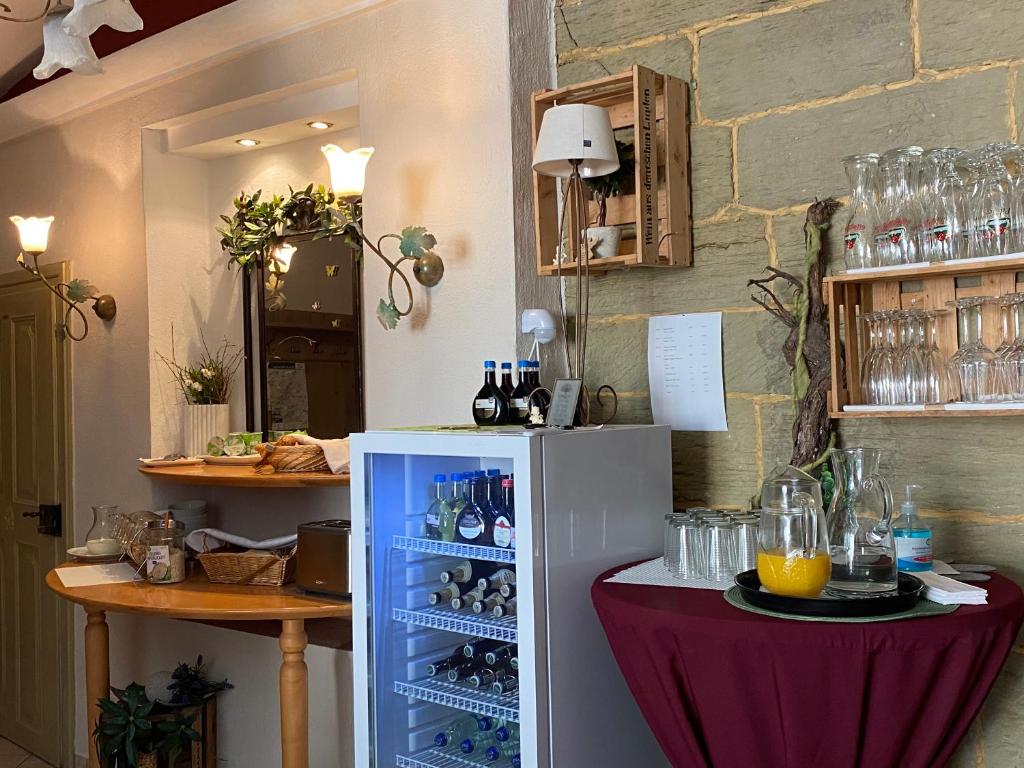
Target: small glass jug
x,y
792,551
100,539
860,525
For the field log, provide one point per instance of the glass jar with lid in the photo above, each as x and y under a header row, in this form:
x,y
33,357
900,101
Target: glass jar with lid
x,y
164,541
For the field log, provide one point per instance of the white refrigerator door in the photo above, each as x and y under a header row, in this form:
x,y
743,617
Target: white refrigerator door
x,y
605,496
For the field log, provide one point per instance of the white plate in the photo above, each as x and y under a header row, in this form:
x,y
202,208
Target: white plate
x,y
972,567
235,460
83,553
166,463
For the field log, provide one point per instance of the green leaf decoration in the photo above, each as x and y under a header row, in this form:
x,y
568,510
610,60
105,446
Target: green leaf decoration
x,y
79,290
387,314
416,241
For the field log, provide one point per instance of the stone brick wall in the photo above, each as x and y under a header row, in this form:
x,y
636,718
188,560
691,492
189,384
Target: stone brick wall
x,y
781,90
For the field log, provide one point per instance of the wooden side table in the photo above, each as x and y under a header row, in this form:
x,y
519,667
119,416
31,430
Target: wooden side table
x,y
198,599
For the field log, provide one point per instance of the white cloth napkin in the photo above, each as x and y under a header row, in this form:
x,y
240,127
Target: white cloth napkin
x,y
336,451
939,589
209,539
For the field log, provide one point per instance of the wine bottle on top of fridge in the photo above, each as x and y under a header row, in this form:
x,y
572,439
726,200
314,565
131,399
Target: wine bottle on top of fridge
x,y
490,406
543,399
519,400
506,385
432,526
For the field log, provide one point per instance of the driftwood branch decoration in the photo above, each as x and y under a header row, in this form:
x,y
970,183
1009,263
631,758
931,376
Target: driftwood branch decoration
x,y
807,346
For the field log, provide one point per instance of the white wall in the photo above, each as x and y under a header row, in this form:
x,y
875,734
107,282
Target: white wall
x,y
435,96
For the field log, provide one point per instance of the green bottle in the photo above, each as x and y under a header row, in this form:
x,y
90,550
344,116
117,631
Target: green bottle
x,y
450,511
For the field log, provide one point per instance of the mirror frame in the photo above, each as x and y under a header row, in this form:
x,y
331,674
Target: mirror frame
x,y
256,354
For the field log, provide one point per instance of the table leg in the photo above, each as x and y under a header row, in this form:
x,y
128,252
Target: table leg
x,y
97,672
294,695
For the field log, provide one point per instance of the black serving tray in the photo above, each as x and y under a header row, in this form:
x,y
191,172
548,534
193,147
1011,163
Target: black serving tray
x,y
908,591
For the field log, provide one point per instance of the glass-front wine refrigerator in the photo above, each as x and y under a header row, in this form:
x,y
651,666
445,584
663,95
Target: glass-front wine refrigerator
x,y
475,639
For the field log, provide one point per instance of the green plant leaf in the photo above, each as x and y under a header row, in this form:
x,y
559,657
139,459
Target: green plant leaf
x,y
80,290
387,314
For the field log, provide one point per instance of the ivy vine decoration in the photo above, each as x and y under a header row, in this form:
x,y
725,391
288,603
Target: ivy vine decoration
x,y
258,226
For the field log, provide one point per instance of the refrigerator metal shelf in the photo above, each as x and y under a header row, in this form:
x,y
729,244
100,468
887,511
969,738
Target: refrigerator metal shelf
x,y
483,625
455,549
435,758
458,697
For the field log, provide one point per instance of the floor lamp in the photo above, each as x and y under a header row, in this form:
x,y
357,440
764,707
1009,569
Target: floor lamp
x,y
576,142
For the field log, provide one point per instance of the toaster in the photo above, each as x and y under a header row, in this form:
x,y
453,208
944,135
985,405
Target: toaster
x,y
323,557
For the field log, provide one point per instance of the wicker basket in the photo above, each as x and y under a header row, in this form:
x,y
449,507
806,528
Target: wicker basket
x,y
291,458
262,569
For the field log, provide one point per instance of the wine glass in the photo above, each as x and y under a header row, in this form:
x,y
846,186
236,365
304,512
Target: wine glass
x,y
973,361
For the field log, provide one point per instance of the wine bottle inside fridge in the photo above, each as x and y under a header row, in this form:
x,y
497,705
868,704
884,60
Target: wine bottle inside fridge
x,y
490,406
504,534
432,524
471,571
473,526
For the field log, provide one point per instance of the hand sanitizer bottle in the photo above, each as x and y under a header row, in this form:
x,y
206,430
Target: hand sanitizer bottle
x,y
913,538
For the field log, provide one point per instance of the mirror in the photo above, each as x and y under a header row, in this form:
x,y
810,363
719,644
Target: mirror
x,y
305,370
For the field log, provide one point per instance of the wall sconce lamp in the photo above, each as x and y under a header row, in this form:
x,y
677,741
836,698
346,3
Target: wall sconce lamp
x,y
348,178
35,234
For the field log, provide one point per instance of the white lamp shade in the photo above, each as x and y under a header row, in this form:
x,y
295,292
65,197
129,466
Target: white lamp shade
x,y
348,169
283,256
34,232
89,15
576,132
64,51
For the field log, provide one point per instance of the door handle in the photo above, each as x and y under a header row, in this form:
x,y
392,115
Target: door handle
x,y
49,516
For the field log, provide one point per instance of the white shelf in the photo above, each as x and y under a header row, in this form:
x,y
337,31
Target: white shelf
x,y
436,758
463,622
454,549
459,697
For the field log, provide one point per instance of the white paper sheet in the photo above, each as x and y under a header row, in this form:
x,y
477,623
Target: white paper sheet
x,y
94,575
684,364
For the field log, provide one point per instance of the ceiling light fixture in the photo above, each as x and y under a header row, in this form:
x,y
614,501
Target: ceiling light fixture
x,y
66,32
248,143
320,125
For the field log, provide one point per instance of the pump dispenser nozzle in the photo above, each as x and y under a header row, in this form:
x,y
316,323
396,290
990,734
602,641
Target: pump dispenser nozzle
x,y
909,507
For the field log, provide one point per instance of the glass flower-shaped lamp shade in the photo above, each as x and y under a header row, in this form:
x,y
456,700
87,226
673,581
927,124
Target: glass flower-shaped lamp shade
x,y
34,232
64,51
348,169
89,15
283,257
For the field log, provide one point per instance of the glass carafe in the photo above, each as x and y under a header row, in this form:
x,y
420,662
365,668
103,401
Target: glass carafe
x,y
860,525
899,213
862,218
943,207
100,540
792,552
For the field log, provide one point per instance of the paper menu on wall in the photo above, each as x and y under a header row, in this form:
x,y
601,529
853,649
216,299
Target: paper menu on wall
x,y
95,575
684,363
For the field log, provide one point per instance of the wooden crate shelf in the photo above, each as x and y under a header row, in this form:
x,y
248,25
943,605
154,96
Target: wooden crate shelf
x,y
931,286
657,221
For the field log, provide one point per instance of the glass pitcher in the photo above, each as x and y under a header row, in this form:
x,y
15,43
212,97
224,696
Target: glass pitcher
x,y
100,539
859,524
792,552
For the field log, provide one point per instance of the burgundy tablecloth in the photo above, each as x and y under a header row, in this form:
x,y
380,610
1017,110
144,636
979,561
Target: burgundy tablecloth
x,y
725,688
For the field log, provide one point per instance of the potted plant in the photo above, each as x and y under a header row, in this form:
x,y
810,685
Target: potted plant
x,y
206,387
604,240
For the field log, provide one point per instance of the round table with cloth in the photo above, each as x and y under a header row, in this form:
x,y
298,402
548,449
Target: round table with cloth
x,y
724,688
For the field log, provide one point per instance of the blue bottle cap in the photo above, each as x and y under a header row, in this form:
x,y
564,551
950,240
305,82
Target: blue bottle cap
x,y
517,761
492,753
457,477
467,746
524,363
488,364
506,366
479,473
535,364
484,723
494,473
441,740
502,734
440,478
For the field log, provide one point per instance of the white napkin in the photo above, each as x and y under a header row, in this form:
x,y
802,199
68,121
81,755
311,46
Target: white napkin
x,y
939,589
336,452
209,539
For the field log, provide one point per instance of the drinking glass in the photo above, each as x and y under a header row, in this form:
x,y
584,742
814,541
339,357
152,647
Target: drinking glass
x,y
746,533
690,547
973,361
862,218
899,213
719,551
943,207
990,209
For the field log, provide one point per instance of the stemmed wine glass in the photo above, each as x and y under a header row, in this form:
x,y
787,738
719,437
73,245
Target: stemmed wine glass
x,y
973,361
